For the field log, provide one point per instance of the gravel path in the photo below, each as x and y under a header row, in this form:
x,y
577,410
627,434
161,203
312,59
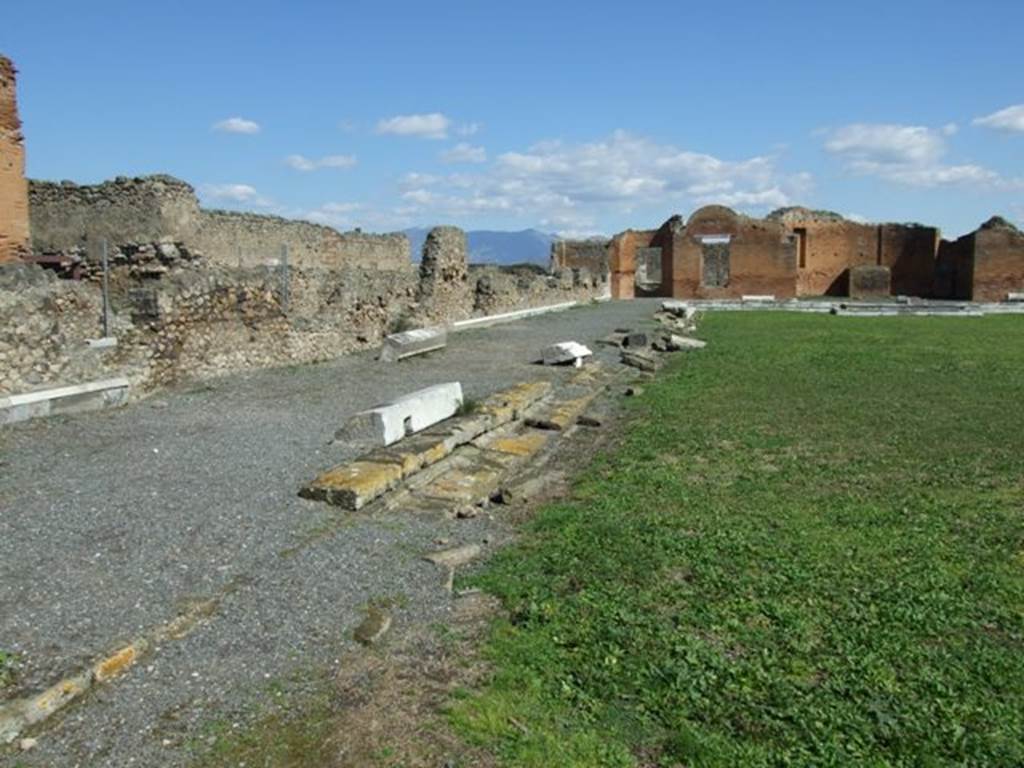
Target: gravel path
x,y
112,523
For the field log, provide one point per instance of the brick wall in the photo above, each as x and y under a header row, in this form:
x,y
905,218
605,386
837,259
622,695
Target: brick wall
x,y
14,229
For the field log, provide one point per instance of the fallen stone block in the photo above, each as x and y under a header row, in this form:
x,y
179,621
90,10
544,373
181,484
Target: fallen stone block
x,y
634,339
79,398
758,298
560,416
503,407
453,558
1012,296
398,346
565,352
389,423
413,453
640,360
677,343
681,309
352,486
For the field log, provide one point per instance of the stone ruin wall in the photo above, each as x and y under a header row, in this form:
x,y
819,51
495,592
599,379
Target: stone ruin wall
x,y
248,239
998,261
70,219
177,317
14,229
591,254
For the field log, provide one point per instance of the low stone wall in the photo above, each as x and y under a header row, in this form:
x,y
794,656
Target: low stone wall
x,y
177,317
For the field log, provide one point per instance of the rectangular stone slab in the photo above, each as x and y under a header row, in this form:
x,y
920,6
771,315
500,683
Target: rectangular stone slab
x,y
387,424
91,396
398,346
352,486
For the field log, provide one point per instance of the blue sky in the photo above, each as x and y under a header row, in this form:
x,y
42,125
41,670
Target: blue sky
x,y
576,117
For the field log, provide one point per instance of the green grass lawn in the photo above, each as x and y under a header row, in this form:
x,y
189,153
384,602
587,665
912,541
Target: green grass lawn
x,y
808,550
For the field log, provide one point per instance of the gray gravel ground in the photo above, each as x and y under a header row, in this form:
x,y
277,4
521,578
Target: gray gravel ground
x,y
111,523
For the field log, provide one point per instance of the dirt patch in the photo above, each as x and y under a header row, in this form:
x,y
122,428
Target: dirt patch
x,y
392,701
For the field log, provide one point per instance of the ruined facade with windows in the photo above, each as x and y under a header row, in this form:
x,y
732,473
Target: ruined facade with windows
x,y
718,253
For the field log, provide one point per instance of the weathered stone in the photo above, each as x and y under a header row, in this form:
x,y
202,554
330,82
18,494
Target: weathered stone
x,y
469,485
352,486
644,362
565,352
677,343
524,445
561,415
374,627
79,398
410,343
634,339
453,558
389,423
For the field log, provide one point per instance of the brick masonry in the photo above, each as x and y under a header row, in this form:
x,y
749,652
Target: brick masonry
x,y
14,226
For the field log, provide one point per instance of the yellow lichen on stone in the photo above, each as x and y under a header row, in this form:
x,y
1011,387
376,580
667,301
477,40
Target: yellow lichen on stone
x,y
116,663
519,445
353,485
466,486
561,415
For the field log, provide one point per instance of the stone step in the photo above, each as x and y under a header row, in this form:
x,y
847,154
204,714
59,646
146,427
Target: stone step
x,y
355,484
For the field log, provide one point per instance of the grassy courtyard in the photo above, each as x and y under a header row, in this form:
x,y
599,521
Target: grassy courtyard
x,y
807,550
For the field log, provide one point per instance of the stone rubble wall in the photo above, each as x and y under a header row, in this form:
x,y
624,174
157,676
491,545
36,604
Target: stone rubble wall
x,y
177,317
248,239
14,229
71,219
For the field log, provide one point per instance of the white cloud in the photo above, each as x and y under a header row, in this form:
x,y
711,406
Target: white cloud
x,y
303,163
579,187
333,214
906,154
235,193
464,153
428,126
1009,119
468,129
237,125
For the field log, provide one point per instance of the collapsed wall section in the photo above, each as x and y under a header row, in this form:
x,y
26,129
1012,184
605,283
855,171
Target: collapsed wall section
x,y
14,217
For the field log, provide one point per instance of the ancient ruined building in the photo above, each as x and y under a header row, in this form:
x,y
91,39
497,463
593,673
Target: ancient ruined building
x,y
793,252
14,232
984,265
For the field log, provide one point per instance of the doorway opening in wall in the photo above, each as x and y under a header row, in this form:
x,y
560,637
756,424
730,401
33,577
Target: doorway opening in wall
x,y
801,246
715,261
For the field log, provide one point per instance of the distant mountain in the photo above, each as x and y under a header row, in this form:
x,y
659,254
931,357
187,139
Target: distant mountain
x,y
492,247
